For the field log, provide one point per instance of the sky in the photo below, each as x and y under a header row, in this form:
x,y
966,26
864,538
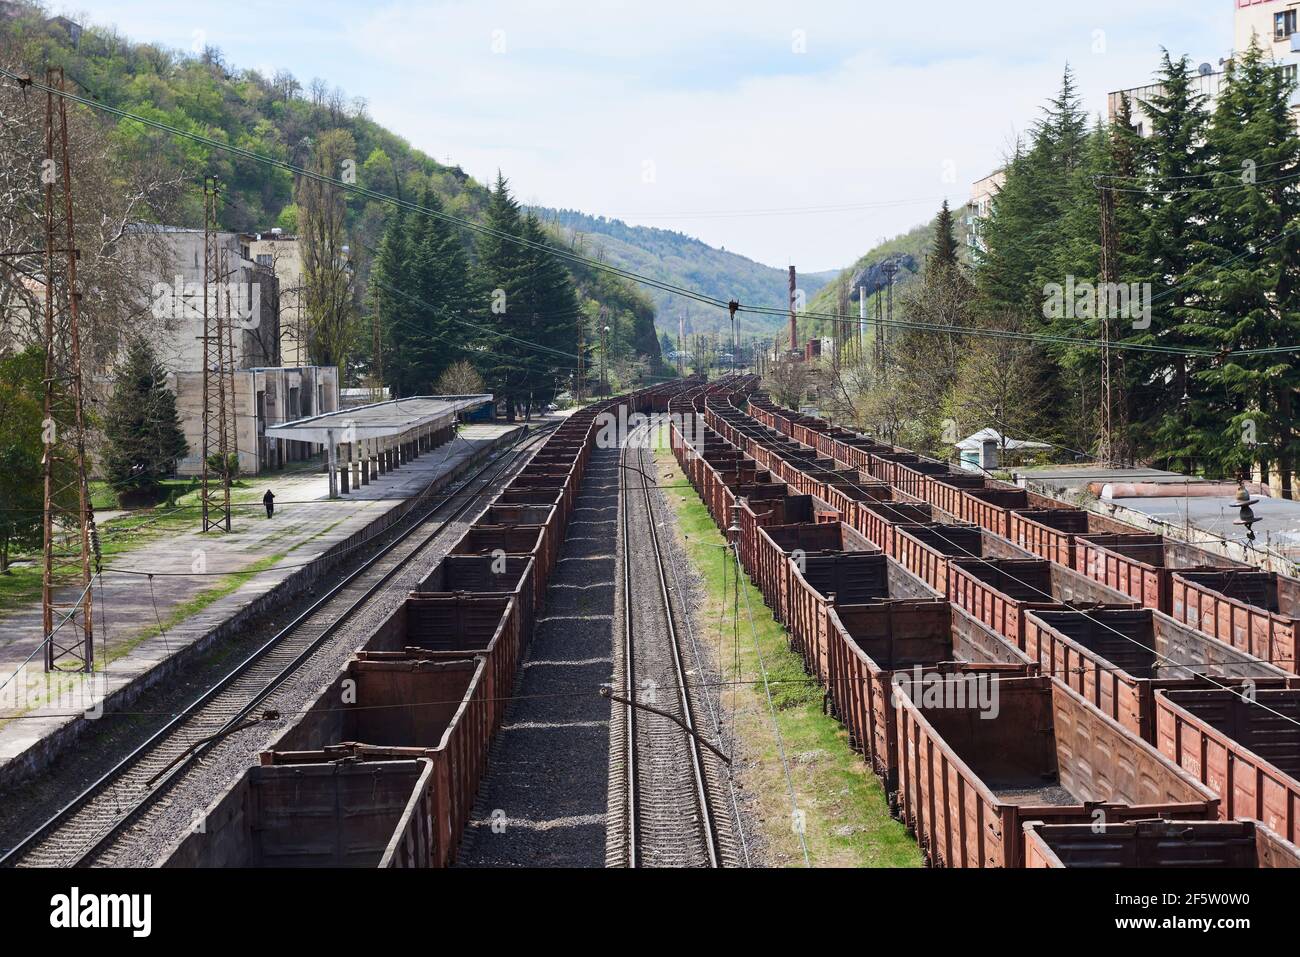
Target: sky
x,y
789,132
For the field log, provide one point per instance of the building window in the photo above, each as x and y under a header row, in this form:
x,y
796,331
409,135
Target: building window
x,y
264,259
1283,24
1290,72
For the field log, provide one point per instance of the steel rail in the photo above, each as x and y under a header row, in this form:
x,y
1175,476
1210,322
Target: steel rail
x,y
708,825
472,484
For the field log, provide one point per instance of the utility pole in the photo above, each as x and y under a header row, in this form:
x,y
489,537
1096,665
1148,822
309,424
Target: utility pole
x,y
68,625
1111,446
604,367
377,350
891,270
732,306
794,329
582,344
862,321
681,345
215,502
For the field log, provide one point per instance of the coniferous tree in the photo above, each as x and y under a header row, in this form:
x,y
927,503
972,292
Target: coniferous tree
x,y
501,281
442,300
1244,409
1172,245
142,426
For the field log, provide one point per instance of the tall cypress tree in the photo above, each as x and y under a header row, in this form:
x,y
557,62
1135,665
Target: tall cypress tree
x,y
142,426
501,288
1251,301
388,299
943,253
1173,244
442,304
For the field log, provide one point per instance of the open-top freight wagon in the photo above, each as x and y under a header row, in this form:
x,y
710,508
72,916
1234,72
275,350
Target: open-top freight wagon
x,y
1245,748
979,757
1142,566
1119,658
872,646
1158,844
926,550
776,544
320,809
1051,532
999,591
1253,610
820,582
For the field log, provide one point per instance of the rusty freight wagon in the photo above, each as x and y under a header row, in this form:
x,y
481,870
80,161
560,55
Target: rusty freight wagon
x,y
777,543
326,812
499,541
945,491
924,550
822,581
1247,751
439,708
870,646
1159,844
757,513
877,521
971,775
1142,566
1118,659
1051,532
1255,611
440,627
474,576
999,591
991,507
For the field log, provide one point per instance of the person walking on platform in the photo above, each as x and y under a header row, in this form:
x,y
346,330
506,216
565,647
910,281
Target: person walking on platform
x,y
269,501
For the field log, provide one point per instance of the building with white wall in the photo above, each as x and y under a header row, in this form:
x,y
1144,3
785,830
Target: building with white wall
x,y
1275,26
980,205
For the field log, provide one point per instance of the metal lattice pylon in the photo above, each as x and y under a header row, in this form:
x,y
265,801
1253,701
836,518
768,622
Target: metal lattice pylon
x,y
68,621
218,372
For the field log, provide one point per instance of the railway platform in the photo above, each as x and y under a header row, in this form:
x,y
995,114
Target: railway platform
x,y
157,605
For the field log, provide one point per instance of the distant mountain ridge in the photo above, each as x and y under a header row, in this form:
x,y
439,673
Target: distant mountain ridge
x,y
685,261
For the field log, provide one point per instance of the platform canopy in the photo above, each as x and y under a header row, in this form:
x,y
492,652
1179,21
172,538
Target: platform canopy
x,y
382,420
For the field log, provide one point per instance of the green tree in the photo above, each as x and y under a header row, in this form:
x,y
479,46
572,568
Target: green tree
x,y
22,496
1172,244
142,427
943,253
1243,412
326,262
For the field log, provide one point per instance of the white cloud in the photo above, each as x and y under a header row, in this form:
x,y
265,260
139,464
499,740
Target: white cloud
x,y
584,95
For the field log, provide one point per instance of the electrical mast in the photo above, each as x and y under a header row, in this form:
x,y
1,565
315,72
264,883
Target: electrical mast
x,y
68,525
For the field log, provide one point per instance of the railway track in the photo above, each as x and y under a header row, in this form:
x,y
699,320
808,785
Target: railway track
x,y
81,833
674,811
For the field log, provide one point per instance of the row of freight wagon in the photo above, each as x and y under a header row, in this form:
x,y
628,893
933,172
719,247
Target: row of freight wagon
x,y
383,768
884,590
1254,610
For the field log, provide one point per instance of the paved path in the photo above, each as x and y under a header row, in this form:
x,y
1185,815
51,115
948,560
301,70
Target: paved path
x,y
306,524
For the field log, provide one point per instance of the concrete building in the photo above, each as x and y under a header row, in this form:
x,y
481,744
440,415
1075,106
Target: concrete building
x,y
249,292
980,205
270,388
264,398
1273,24
282,255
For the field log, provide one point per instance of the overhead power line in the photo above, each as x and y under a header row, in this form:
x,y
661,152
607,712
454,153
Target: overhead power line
x,y
574,257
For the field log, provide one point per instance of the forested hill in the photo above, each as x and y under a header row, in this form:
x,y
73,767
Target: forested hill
x,y
283,116
685,261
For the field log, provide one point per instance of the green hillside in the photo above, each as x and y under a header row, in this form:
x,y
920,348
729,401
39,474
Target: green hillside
x,y
684,261
281,117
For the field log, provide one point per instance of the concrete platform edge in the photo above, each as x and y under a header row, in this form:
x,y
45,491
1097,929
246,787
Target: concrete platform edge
x,y
41,754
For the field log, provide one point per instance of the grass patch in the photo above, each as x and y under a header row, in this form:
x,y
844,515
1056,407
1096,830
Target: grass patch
x,y
226,585
847,821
